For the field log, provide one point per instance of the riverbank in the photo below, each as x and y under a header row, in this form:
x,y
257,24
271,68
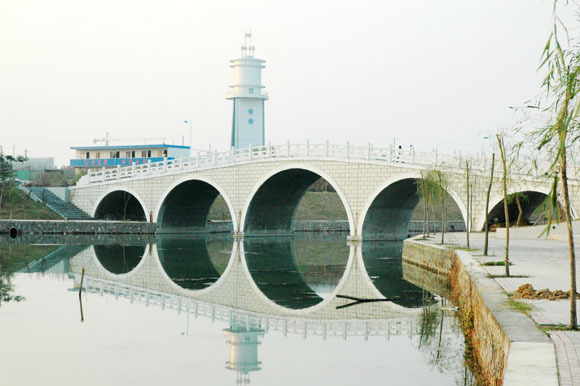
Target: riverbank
x,y
509,346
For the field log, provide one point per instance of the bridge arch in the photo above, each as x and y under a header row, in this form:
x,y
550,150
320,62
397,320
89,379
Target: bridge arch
x,y
288,184
116,203
170,213
395,199
535,196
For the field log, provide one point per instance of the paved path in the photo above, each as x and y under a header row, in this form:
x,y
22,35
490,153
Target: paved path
x,y
545,264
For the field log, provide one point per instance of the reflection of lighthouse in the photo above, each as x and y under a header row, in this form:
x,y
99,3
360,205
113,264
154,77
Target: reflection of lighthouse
x,y
243,341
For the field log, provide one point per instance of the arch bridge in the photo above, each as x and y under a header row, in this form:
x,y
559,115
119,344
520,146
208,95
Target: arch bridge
x,y
262,187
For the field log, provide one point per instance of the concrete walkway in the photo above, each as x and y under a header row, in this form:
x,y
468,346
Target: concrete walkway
x,y
545,263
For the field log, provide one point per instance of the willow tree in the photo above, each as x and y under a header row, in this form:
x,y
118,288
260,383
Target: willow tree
x,y
561,62
428,190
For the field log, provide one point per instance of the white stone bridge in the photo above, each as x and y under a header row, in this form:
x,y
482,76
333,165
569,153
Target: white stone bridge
x,y
263,187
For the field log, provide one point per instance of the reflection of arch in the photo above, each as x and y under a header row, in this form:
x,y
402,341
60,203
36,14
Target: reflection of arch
x,y
388,212
352,256
187,263
185,205
383,264
119,261
120,204
271,206
531,202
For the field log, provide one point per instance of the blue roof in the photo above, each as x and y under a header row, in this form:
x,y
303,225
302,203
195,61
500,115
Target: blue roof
x,y
126,147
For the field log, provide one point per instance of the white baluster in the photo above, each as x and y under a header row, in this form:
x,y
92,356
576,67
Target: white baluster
x,y
347,149
164,164
269,152
326,150
118,171
103,173
369,151
250,151
307,147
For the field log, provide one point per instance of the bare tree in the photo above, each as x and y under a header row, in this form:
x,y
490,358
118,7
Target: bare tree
x,y
502,152
486,242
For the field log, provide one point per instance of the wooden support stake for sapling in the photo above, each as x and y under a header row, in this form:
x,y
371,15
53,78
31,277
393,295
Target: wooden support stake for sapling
x,y
80,293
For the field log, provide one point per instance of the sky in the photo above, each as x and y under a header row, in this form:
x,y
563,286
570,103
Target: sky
x,y
431,73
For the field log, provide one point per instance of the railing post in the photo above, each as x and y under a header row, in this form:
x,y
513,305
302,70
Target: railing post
x,y
197,159
459,158
436,157
307,148
232,154
180,162
133,169
89,175
287,148
164,164
413,155
269,152
327,148
149,167
215,157
347,149
118,171
103,173
390,153
368,151
250,151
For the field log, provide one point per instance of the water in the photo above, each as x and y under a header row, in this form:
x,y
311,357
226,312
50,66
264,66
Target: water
x,y
308,310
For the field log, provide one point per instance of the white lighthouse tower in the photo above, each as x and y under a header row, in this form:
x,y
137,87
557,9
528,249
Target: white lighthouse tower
x,y
248,117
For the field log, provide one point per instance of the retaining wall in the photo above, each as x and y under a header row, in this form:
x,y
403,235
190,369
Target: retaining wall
x,y
75,227
508,345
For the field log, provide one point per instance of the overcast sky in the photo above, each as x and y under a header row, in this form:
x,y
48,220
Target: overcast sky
x,y
430,73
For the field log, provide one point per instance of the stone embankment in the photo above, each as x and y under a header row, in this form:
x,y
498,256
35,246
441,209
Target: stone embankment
x,y
508,346
15,228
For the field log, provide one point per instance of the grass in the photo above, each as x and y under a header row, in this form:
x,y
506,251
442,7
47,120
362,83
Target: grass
x,y
496,263
521,306
19,206
556,327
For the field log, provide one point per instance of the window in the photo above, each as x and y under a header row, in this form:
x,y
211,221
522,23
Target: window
x,y
98,155
251,121
149,153
127,154
143,154
133,154
164,152
251,111
251,90
114,154
87,155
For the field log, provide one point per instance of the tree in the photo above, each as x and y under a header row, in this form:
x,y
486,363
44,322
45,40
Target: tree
x,y
502,152
7,174
468,203
427,188
442,193
518,198
560,60
486,241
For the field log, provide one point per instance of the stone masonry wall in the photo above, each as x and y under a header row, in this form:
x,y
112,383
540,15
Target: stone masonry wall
x,y
494,328
75,227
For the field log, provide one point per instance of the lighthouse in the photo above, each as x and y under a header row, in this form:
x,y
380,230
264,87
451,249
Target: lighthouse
x,y
248,97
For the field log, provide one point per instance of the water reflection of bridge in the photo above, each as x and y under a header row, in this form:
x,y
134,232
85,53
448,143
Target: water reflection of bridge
x,y
256,291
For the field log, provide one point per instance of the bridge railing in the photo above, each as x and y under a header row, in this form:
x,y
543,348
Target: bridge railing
x,y
203,160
